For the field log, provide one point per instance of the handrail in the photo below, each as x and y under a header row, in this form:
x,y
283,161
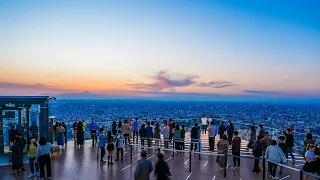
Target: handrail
x,y
226,155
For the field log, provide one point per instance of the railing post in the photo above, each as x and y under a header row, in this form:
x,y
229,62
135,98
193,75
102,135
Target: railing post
x,y
173,149
264,168
225,165
199,149
131,153
301,175
190,159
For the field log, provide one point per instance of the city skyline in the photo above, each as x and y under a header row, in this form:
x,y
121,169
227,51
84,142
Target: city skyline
x,y
148,48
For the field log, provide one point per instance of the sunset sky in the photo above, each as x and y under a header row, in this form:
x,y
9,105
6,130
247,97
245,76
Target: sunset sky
x,y
112,46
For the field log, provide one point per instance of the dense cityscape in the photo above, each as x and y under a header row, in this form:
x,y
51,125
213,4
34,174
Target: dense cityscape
x,y
301,117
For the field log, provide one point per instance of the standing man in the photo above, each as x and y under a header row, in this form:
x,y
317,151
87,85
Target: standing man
x,y
135,127
75,129
194,137
211,136
236,145
149,134
144,167
126,132
290,143
222,129
204,124
166,135
93,130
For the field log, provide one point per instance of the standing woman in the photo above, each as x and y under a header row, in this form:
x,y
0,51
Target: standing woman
x,y
110,147
16,156
55,131
31,149
101,144
177,136
253,137
119,126
222,146
162,170
309,140
80,134
311,158
43,155
156,134
143,134
61,131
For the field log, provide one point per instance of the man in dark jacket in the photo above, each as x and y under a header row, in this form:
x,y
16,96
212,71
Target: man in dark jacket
x,y
290,143
194,137
162,170
236,145
222,129
283,147
144,167
257,153
22,143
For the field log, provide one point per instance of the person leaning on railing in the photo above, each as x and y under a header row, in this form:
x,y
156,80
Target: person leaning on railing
x,y
166,134
311,158
274,155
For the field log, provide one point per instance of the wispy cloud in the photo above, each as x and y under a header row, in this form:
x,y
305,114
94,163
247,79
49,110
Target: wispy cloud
x,y
23,85
217,84
163,80
260,92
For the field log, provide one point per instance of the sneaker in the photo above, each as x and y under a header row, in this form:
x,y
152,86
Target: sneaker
x,y
280,173
270,176
31,175
234,168
222,169
275,177
116,160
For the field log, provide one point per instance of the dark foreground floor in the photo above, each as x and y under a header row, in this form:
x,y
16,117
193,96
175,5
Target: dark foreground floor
x,y
81,164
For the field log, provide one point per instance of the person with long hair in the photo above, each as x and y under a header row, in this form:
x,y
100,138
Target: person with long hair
x,y
252,138
274,155
80,134
222,146
110,147
143,134
101,145
31,150
162,170
43,155
61,139
309,140
177,137
16,156
311,158
156,134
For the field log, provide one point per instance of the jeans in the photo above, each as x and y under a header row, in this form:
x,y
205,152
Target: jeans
x,y
289,151
211,143
204,129
195,142
103,152
281,167
256,165
135,135
120,150
32,163
273,168
166,142
236,159
45,163
126,138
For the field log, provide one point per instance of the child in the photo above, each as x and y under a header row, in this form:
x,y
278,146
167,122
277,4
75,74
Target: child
x,y
101,145
120,145
32,148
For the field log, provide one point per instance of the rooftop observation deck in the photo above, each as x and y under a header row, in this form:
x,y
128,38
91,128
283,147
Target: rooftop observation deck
x,y
81,163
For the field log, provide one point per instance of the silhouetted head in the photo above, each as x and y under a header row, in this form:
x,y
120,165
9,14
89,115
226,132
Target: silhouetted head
x,y
160,157
309,136
273,142
224,137
42,141
143,154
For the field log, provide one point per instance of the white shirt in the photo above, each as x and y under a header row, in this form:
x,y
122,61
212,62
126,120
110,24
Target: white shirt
x,y
210,120
204,121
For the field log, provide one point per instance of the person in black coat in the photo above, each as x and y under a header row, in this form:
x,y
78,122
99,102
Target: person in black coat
x,y
162,170
143,133
16,156
80,134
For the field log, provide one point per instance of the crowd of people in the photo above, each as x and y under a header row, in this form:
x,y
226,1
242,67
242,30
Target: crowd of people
x,y
116,137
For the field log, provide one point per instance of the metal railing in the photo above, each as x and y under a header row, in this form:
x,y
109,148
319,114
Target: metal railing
x,y
190,152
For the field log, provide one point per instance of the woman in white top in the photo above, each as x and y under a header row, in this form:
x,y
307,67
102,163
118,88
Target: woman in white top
x,y
204,122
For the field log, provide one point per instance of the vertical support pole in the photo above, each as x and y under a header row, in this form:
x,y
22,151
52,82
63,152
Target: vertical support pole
x,y
173,152
301,175
199,149
131,147
264,168
190,159
225,165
